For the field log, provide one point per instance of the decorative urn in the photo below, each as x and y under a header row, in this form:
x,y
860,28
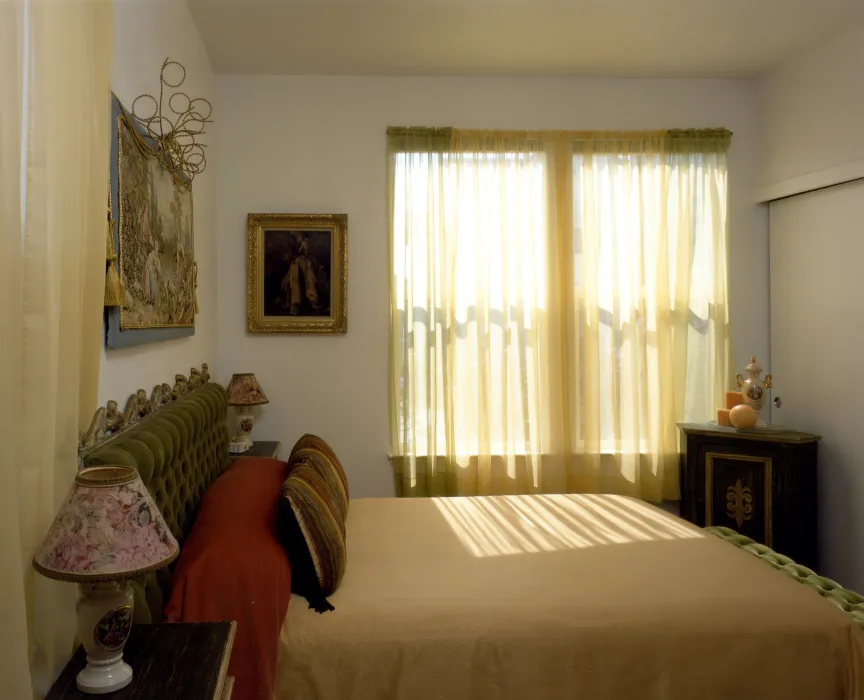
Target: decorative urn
x,y
753,388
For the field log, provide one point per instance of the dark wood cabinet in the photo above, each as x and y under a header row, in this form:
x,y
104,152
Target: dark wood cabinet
x,y
761,483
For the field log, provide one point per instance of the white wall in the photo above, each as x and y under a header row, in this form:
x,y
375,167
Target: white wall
x,y
817,334
145,33
812,112
303,144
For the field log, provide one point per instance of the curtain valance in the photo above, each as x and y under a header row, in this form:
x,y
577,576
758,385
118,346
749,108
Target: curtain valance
x,y
414,139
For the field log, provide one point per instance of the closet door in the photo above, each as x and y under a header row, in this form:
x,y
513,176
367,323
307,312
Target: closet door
x,y
817,355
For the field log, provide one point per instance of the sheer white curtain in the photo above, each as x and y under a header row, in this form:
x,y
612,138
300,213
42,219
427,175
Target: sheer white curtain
x,y
651,313
470,261
55,68
558,302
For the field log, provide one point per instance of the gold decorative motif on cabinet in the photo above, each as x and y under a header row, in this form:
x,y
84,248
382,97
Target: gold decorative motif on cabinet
x,y
739,502
767,505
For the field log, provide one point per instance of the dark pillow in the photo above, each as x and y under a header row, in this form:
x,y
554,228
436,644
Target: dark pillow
x,y
313,535
314,449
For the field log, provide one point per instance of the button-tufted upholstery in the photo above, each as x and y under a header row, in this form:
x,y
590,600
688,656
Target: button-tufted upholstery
x,y
179,451
846,600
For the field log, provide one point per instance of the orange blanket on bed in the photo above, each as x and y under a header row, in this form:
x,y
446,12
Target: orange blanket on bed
x,y
232,567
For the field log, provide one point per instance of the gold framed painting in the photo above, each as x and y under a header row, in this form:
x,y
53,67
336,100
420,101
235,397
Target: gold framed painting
x,y
297,273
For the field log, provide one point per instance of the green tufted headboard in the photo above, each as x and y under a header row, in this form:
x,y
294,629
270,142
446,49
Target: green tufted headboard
x,y
179,451
848,601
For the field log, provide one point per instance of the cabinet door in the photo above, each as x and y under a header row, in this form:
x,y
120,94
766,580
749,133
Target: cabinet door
x,y
738,494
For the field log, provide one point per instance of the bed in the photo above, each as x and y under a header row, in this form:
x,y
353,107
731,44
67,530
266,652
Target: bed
x,y
513,597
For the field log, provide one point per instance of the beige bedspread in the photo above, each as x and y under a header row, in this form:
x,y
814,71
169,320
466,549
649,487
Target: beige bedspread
x,y
588,597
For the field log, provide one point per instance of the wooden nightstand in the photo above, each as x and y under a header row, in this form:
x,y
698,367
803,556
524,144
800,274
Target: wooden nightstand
x,y
761,483
180,661
262,448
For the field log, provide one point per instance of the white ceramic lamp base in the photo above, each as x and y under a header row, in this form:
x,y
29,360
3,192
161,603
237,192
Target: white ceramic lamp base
x,y
246,423
98,678
104,623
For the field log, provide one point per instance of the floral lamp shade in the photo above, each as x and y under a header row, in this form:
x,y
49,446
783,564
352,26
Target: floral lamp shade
x,y
244,390
107,529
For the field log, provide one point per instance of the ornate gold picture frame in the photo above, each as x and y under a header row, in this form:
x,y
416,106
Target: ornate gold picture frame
x,y
297,273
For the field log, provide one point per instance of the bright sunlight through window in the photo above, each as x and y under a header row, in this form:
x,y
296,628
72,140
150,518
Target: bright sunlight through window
x,y
535,321
510,525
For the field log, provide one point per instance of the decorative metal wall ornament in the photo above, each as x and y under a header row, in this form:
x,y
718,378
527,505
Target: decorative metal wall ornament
x,y
110,420
177,142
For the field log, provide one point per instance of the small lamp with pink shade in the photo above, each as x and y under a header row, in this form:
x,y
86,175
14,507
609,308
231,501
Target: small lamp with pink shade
x,y
107,531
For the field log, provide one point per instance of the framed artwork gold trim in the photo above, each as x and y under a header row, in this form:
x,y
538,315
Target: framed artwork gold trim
x,y
297,273
767,462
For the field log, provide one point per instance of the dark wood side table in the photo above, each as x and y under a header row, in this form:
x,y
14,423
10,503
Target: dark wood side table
x,y
170,661
761,483
262,448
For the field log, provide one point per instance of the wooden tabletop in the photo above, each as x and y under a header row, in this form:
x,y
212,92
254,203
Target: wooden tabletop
x,y
170,661
261,448
771,433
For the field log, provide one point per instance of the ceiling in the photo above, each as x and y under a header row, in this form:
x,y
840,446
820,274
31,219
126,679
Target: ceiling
x,y
661,38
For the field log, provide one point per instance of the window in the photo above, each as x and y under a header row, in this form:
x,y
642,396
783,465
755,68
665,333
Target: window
x,y
542,325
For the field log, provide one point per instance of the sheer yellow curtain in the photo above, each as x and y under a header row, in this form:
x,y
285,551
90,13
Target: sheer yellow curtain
x,y
548,329
650,285
469,262
55,68
421,245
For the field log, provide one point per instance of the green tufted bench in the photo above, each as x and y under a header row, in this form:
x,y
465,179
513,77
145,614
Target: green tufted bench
x,y
848,601
179,450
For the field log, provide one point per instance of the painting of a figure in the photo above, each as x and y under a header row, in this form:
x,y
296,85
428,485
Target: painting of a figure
x,y
156,241
297,272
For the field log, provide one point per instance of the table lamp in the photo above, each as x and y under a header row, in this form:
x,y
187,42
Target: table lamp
x,y
107,531
243,392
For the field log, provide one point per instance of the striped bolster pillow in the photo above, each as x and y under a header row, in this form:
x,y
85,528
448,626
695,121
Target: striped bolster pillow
x,y
312,532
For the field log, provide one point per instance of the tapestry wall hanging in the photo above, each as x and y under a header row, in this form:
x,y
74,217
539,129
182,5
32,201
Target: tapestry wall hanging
x,y
151,205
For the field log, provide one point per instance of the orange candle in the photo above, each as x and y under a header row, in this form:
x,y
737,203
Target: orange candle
x,y
723,417
733,399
